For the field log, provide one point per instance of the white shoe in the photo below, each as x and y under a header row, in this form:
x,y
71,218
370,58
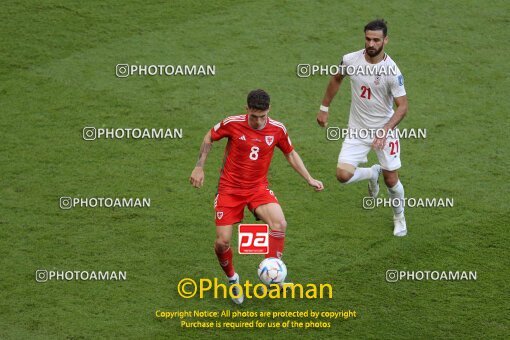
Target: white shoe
x,y
373,183
399,222
238,299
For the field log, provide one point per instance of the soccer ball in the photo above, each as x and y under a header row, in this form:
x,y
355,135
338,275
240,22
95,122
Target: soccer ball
x,y
272,270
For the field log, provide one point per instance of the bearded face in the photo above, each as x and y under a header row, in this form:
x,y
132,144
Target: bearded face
x,y
374,43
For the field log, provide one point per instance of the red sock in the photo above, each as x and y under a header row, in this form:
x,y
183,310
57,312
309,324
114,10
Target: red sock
x,y
225,260
276,243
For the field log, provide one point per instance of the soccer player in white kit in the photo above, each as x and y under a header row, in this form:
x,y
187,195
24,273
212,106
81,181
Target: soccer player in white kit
x,y
372,120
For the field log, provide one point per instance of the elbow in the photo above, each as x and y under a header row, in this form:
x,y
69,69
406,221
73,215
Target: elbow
x,y
336,79
290,156
402,106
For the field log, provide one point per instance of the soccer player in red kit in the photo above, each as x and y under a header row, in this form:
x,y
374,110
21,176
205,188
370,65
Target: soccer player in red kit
x,y
252,138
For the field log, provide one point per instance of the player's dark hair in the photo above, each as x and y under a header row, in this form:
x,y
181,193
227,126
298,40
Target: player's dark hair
x,y
377,25
258,100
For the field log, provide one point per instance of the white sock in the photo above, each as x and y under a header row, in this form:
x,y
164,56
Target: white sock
x,y
360,174
397,192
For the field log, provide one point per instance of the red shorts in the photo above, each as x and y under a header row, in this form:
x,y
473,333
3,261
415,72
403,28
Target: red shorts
x,y
229,208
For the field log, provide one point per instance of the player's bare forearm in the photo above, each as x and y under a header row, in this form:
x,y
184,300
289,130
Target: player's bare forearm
x,y
297,164
204,150
397,117
400,112
331,90
197,175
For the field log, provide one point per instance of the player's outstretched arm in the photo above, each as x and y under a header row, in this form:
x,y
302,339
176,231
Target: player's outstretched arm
x,y
332,89
197,175
296,163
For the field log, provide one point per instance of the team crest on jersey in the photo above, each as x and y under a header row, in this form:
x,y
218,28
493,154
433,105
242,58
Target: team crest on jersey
x,y
269,140
219,214
377,80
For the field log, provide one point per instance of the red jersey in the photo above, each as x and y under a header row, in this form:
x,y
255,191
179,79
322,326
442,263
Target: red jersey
x,y
248,152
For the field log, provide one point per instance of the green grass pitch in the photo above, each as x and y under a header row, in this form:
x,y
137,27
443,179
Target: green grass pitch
x,y
57,76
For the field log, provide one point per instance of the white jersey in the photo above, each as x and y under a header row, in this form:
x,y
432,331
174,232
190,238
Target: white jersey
x,y
373,88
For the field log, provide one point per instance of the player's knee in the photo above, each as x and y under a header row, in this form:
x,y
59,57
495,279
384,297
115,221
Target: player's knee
x,y
343,176
390,183
391,179
221,244
279,225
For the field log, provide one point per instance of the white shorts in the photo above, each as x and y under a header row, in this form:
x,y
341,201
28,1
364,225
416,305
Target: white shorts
x,y
354,151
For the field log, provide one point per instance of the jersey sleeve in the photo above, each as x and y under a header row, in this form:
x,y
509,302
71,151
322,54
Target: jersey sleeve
x,y
284,143
220,131
397,88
